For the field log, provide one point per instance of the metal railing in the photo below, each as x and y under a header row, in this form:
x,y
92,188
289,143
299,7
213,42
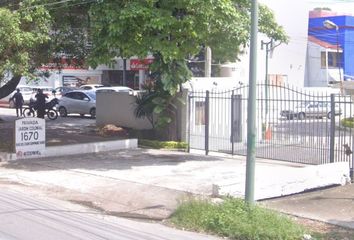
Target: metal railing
x,y
293,125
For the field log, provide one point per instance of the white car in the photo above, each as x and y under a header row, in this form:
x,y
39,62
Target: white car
x,y
78,101
91,86
60,91
115,89
311,109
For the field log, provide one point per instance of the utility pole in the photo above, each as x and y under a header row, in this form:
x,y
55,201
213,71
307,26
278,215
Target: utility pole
x,y
251,113
268,49
339,60
331,25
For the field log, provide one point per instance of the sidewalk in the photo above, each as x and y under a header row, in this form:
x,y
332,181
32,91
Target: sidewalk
x,y
334,205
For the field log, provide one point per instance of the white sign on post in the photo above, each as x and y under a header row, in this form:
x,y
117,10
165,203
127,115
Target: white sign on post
x,y
29,137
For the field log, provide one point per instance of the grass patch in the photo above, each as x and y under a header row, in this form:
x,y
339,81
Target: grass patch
x,y
236,220
348,122
163,144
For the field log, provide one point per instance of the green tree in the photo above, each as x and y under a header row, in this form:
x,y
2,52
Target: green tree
x,y
37,32
173,31
22,31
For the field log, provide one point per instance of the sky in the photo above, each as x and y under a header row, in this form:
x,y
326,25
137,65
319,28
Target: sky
x,y
341,6
293,14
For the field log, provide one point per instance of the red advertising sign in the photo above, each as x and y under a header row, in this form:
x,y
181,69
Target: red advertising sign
x,y
140,64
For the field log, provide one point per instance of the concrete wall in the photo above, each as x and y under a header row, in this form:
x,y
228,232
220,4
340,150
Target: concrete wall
x,y
182,116
286,181
118,108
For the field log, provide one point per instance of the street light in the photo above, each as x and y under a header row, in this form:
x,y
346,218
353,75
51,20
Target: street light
x,y
331,25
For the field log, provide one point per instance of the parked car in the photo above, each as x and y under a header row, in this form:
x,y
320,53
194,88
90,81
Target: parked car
x,y
26,94
115,89
60,91
78,101
91,86
311,109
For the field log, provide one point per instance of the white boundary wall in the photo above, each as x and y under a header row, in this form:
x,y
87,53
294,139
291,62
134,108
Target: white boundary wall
x,y
118,108
285,181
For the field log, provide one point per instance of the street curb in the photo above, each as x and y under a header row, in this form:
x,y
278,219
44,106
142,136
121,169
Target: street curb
x,y
81,148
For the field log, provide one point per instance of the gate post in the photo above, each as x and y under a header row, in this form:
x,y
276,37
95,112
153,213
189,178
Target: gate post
x,y
332,130
232,122
189,122
352,163
206,114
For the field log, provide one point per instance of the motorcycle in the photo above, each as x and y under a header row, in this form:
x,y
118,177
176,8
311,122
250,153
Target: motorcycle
x,y
51,113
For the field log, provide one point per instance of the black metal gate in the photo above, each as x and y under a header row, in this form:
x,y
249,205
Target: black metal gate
x,y
292,124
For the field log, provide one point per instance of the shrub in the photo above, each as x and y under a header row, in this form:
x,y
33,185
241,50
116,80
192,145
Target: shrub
x,y
236,220
348,122
163,144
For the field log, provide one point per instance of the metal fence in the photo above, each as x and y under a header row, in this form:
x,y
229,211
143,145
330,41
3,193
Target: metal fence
x,y
292,124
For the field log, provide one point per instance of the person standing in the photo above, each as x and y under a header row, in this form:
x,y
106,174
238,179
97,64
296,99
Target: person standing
x,y
18,100
40,103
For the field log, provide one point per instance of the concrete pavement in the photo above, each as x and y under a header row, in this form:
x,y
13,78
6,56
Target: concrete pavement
x,y
333,205
149,184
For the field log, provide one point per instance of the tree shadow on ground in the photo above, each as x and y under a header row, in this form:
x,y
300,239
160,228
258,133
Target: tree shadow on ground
x,y
113,160
64,131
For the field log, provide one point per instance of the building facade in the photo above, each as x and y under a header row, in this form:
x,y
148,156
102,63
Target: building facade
x,y
330,49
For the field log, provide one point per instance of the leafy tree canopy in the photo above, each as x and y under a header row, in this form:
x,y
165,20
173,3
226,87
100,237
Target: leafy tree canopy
x,y
21,32
175,29
37,32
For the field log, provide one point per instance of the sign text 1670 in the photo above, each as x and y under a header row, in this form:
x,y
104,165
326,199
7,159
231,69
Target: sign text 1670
x,y
28,136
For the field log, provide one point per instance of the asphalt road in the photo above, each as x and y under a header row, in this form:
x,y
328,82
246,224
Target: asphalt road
x,y
10,114
24,217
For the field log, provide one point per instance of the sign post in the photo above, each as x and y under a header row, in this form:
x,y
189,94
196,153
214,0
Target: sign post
x,y
29,137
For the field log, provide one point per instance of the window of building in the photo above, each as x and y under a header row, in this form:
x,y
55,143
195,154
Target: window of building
x,y
277,79
334,59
